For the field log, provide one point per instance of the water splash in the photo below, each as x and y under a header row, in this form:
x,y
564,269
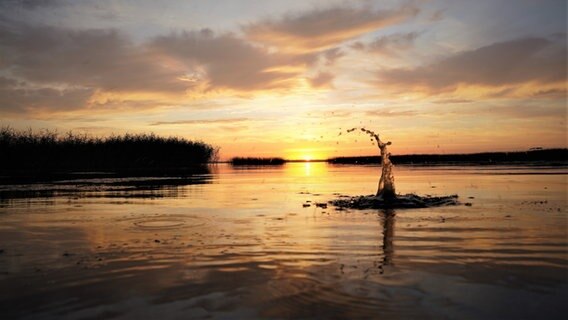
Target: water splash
x,y
385,189
386,196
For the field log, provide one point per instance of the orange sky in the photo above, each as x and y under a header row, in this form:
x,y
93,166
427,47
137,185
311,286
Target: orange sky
x,y
270,78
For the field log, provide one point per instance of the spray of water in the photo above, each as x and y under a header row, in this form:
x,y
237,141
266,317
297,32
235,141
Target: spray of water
x,y
386,197
386,189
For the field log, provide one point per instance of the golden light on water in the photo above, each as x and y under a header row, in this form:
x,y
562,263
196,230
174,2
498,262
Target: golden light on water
x,y
308,168
286,79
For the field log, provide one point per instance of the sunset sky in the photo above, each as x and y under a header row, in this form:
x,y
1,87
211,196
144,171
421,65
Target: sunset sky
x,y
284,78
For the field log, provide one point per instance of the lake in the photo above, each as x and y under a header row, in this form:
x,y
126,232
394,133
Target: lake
x,y
250,243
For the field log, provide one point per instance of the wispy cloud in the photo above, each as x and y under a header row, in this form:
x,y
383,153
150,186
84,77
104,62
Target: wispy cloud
x,y
322,80
61,69
438,15
452,101
201,121
389,113
526,60
323,28
508,112
53,68
330,56
17,97
225,61
103,59
389,45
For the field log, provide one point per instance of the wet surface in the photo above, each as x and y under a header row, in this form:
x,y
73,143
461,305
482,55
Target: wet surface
x,y
243,245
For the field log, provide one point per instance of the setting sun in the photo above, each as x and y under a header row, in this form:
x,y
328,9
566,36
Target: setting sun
x,y
285,84
237,159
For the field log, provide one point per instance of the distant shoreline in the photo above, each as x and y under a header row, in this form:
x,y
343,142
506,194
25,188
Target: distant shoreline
x,y
548,156
553,157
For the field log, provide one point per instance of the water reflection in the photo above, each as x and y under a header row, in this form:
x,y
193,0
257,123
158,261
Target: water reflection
x,y
244,246
307,169
388,219
102,185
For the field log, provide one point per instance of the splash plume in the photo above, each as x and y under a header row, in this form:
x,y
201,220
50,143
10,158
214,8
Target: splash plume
x,y
386,196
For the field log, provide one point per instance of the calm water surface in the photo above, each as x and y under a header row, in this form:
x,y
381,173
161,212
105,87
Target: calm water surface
x,y
239,243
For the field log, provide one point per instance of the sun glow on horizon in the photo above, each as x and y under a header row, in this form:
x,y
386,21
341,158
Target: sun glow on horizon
x,y
289,84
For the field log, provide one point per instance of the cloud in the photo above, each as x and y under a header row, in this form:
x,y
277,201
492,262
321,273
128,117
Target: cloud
x,y
524,110
102,59
201,121
526,60
389,45
438,15
527,111
61,69
452,101
354,113
16,97
337,113
322,80
225,61
30,4
551,93
330,56
321,29
389,113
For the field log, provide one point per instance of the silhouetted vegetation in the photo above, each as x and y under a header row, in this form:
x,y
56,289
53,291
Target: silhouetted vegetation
x,y
238,161
47,151
548,156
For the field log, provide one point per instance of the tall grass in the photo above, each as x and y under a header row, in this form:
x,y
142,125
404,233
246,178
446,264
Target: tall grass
x,y
49,151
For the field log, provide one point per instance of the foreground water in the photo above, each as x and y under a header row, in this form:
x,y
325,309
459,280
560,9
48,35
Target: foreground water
x,y
243,243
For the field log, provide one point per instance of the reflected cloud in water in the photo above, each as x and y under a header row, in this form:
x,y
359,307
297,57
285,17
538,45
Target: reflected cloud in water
x,y
240,244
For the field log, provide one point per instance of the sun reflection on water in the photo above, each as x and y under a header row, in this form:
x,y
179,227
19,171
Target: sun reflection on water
x,y
308,168
260,232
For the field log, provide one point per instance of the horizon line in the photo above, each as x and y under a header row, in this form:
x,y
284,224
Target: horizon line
x,y
534,149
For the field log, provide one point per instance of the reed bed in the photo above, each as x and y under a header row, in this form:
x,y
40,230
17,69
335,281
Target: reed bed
x,y
47,150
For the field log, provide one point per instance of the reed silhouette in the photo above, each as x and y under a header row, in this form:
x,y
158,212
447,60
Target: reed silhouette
x,y
48,151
